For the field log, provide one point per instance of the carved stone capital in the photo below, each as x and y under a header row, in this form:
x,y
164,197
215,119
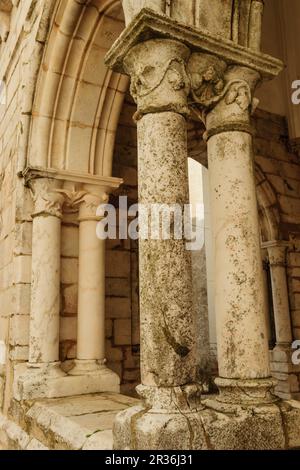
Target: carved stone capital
x,y
222,95
48,201
88,205
277,255
159,81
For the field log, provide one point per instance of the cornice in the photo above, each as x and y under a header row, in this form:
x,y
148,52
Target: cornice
x,y
149,25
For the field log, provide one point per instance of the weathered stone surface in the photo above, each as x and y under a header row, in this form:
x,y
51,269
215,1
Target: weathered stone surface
x,y
217,427
61,113
76,423
291,419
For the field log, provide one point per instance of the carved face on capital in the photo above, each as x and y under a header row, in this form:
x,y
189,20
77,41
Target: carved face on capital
x,y
241,95
207,77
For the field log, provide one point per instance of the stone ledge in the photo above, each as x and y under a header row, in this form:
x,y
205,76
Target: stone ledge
x,y
75,423
32,385
149,24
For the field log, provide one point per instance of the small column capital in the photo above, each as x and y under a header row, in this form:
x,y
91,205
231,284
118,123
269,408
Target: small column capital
x,y
276,252
222,95
277,255
89,204
48,200
87,200
159,81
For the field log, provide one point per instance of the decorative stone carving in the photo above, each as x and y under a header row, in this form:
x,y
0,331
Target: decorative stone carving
x,y
87,202
48,200
159,81
214,83
207,79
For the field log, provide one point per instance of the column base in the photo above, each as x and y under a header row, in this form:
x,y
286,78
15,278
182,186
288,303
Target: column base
x,y
246,392
87,367
49,381
168,419
212,427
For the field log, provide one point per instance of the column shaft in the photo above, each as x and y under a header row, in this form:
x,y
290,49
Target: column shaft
x,y
241,329
90,361
91,293
280,296
44,317
167,319
45,292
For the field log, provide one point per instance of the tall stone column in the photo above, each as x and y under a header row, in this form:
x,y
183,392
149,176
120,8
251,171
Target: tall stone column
x,y
45,284
160,86
225,95
91,295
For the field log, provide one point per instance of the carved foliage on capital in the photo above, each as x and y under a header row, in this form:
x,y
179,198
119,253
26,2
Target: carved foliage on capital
x,y
159,80
215,84
207,79
47,198
85,201
89,204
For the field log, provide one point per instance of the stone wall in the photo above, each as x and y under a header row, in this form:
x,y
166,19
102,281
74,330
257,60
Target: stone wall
x,y
19,61
281,169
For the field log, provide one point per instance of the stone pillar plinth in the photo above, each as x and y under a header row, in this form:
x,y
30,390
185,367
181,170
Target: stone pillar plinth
x,y
91,296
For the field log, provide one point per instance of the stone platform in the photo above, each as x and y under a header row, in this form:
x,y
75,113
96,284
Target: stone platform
x,y
72,423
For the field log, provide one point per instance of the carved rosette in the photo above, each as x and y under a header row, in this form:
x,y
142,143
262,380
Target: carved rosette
x,y
159,81
48,201
222,95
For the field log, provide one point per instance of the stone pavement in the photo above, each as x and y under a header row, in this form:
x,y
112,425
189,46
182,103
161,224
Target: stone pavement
x,y
80,422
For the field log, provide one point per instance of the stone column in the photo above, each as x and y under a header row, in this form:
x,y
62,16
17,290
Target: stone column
x,y
160,86
225,96
45,284
277,261
281,356
91,294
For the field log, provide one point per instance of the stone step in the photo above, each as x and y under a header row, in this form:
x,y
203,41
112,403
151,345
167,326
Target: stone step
x,y
71,423
83,422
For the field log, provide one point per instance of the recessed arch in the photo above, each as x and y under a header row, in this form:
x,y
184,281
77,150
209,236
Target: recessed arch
x,y
267,206
78,100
